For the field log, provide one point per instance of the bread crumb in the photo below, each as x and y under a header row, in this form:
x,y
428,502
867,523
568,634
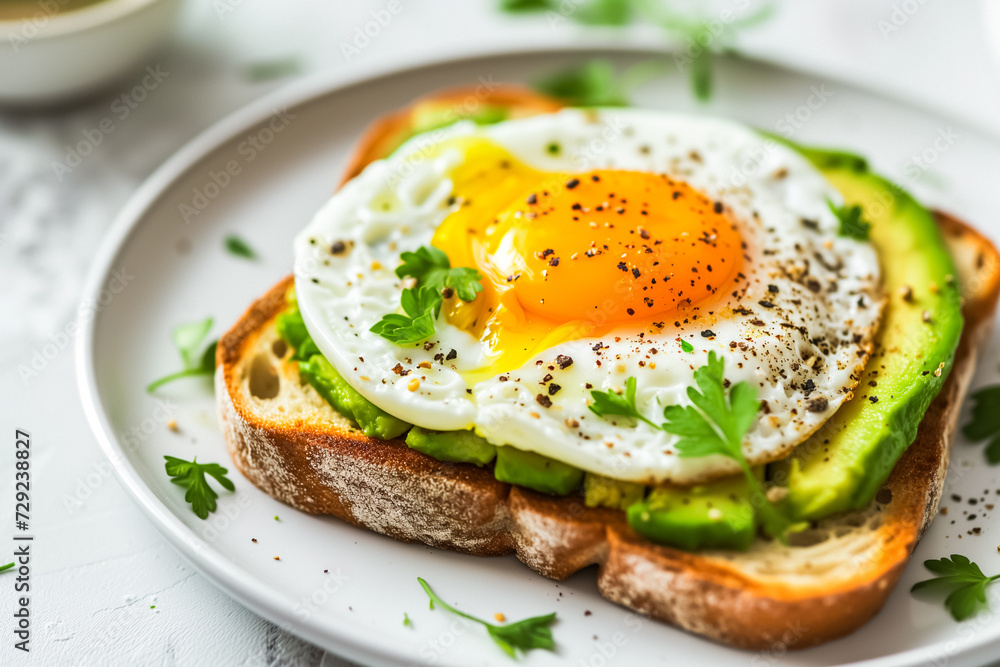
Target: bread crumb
x,y
277,558
172,425
500,618
424,364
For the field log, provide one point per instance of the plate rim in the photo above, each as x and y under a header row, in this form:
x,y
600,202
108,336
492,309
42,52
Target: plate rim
x,y
210,563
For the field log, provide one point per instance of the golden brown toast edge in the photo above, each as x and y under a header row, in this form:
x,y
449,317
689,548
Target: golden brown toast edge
x,y
396,491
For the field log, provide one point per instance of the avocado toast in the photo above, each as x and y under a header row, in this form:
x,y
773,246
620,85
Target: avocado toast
x,y
298,432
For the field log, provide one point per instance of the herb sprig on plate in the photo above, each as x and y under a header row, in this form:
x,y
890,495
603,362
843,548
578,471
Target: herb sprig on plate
x,y
523,635
188,339
191,476
985,422
963,579
701,36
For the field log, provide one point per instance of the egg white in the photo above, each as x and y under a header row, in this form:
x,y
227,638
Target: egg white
x,y
803,353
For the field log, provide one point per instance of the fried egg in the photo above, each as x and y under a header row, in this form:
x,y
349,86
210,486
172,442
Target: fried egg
x,y
612,244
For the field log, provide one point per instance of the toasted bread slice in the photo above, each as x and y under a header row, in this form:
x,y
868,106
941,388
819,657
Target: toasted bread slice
x,y
291,444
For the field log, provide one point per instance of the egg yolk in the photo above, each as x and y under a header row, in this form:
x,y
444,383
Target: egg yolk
x,y
566,256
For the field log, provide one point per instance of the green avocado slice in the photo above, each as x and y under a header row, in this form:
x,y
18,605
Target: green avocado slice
x,y
320,373
459,446
843,465
715,516
537,472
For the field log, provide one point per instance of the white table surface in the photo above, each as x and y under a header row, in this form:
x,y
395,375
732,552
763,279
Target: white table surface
x,y
99,566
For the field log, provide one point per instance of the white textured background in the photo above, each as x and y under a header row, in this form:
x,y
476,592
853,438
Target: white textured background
x,y
99,565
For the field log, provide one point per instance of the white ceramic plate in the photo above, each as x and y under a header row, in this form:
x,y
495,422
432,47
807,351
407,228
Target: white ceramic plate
x,y
347,589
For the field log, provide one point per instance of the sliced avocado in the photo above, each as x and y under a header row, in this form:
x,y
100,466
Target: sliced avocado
x,y
460,446
600,491
372,420
320,373
714,516
433,115
843,465
292,330
537,472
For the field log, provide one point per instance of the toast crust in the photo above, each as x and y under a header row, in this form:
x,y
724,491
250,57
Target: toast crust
x,y
757,600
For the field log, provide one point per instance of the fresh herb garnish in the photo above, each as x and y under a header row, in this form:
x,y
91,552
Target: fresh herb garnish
x,y
605,12
607,403
191,475
851,224
240,248
6,567
700,36
965,580
431,267
524,635
716,424
985,421
592,84
422,304
406,620
187,339
686,346
514,6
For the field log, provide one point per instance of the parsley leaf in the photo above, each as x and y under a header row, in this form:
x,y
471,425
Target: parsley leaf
x,y
406,620
985,421
966,581
686,346
851,224
6,567
240,248
422,304
716,424
612,403
421,307
595,83
604,12
431,267
592,84
525,635
187,339
191,475
514,6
